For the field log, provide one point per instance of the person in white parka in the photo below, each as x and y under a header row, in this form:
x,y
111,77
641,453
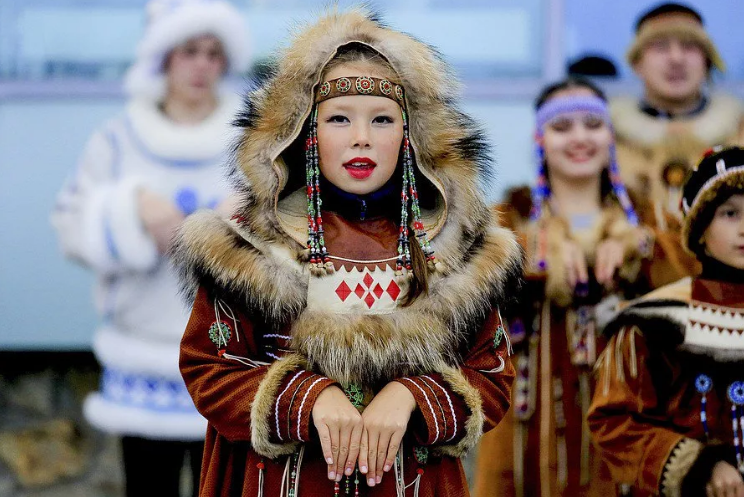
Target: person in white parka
x,y
140,175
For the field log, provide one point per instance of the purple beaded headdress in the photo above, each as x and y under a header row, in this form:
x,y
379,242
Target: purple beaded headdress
x,y
548,112
369,86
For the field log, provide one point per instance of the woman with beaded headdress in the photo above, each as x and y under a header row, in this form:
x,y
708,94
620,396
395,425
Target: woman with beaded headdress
x,y
668,410
583,248
345,334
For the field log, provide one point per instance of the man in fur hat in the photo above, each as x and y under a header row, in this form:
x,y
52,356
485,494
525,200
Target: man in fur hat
x,y
663,134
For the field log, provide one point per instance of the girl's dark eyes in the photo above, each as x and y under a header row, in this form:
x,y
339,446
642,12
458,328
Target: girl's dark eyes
x,y
561,125
383,120
729,213
338,118
593,122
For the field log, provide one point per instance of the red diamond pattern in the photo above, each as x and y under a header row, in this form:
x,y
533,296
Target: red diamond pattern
x,y
378,290
369,300
343,291
368,280
360,291
393,290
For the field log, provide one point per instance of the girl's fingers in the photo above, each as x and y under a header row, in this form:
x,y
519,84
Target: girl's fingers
x,y
334,451
571,272
581,272
354,447
382,451
343,451
364,452
600,270
392,450
372,439
325,445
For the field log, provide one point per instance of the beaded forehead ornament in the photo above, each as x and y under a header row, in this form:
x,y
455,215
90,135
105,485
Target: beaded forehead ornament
x,y
365,86
547,113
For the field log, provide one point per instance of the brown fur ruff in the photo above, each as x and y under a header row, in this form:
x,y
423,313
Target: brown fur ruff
x,y
612,225
257,263
423,337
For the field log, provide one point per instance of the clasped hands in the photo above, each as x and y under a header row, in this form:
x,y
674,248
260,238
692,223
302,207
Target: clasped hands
x,y
372,438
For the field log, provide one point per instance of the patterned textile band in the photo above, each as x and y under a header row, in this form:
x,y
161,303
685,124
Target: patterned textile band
x,y
155,393
558,106
360,85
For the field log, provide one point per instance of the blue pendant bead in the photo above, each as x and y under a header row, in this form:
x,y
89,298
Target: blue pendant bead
x,y
703,385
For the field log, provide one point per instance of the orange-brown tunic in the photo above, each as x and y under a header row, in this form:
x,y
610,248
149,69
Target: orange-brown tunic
x,y
646,411
225,382
542,448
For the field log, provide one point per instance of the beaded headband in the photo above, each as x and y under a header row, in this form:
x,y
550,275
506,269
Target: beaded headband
x,y
360,85
541,192
566,105
410,211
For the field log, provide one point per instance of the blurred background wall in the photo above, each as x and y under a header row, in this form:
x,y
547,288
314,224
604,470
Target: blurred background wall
x,y
60,67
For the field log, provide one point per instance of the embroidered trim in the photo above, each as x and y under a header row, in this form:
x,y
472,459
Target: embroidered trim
x,y
452,408
431,408
278,399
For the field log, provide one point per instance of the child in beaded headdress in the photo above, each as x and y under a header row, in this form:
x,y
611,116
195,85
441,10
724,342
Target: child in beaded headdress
x,y
345,334
583,249
668,411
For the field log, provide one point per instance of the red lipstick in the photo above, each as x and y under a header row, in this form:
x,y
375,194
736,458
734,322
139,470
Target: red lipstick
x,y
360,167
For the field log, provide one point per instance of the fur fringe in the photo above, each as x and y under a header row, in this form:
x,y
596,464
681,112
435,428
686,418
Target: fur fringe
x,y
474,425
356,348
263,402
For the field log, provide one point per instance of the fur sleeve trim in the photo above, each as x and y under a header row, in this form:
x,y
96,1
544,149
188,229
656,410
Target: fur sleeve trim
x,y
474,424
263,403
680,461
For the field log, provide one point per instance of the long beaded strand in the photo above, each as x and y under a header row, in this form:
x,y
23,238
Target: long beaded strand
x,y
404,253
319,260
736,396
409,179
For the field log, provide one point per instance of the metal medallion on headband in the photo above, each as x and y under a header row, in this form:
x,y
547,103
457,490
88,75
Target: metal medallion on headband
x,y
360,85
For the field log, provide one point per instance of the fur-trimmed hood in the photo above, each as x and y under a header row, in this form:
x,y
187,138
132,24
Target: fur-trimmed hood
x,y
257,260
450,150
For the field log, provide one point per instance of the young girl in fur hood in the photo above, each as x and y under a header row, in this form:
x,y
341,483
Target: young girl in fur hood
x,y
668,411
345,335
583,245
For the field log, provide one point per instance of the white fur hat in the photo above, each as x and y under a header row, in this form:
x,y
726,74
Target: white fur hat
x,y
172,22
